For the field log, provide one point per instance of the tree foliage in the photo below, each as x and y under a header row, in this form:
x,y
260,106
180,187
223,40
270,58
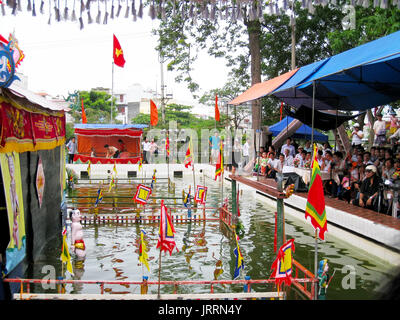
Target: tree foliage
x,y
97,105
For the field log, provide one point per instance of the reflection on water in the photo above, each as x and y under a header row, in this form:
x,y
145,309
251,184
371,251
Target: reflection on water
x,y
205,253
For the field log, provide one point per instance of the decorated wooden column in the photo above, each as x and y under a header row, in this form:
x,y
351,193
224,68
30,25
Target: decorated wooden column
x,y
280,220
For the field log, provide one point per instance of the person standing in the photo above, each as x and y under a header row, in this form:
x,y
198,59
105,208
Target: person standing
x,y
146,149
357,136
72,147
289,146
215,147
379,130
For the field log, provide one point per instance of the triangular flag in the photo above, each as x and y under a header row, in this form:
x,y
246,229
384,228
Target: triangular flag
x,y
282,265
216,109
153,113
315,206
65,256
189,156
143,250
219,167
84,120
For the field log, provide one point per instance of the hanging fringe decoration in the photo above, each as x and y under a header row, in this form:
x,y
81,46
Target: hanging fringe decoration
x,y
163,13
65,11
213,11
140,12
56,12
191,15
19,5
127,10
73,17
98,12
106,14
134,10
33,9
89,17
83,6
88,4
81,22
14,9
29,6
3,9
41,7
152,11
49,22
234,14
119,8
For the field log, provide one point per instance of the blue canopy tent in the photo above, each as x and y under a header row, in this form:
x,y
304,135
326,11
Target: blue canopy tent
x,y
357,79
304,132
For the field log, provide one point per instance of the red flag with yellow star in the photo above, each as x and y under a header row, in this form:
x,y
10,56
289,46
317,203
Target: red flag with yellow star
x,y
118,54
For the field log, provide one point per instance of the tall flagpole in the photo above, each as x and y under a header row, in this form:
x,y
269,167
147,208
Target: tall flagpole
x,y
112,91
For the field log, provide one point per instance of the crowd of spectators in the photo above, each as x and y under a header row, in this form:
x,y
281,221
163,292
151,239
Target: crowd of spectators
x,y
357,177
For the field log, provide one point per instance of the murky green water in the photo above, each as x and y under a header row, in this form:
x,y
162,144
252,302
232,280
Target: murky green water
x,y
112,253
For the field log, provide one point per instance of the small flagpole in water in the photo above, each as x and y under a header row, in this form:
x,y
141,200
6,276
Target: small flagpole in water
x,y
316,234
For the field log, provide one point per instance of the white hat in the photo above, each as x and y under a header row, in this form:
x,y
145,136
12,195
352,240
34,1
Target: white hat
x,y
356,125
371,167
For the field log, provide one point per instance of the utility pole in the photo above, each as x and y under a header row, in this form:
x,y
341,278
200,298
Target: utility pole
x,y
162,91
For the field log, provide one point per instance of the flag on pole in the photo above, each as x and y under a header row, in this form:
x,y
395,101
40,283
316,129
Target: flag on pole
x,y
112,184
140,164
153,113
118,54
167,146
239,264
189,156
84,120
281,111
166,241
88,168
143,250
216,108
99,197
315,207
282,266
65,256
115,168
219,167
153,179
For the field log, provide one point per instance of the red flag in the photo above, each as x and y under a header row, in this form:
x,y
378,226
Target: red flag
x,y
153,113
84,120
118,54
216,108
281,111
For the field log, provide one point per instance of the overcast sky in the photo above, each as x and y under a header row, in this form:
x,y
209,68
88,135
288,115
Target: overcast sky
x,y
61,58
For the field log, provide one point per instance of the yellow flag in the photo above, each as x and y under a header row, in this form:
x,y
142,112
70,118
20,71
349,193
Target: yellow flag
x,y
88,169
112,184
115,169
65,256
143,251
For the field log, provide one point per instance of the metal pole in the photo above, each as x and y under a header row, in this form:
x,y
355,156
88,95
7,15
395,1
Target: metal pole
x,y
112,92
316,234
293,25
162,91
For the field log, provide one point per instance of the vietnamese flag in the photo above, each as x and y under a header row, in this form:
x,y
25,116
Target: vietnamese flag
x,y
315,206
118,54
216,108
153,113
84,120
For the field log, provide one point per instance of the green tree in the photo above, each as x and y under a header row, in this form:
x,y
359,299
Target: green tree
x,y
97,105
